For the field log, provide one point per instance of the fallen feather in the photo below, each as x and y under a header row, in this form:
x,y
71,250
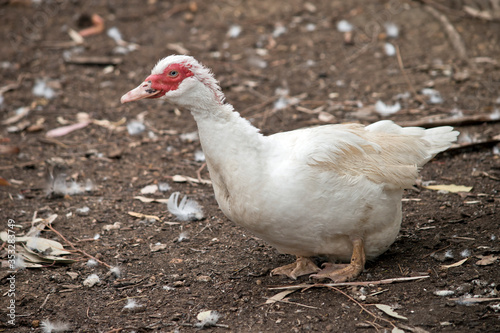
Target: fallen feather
x,y
115,34
444,293
92,263
186,210
149,189
458,263
116,271
83,211
54,327
389,311
143,216
135,127
279,29
132,305
207,318
433,94
41,89
19,263
391,30
157,247
59,186
189,137
386,110
61,131
344,26
449,188
91,281
234,31
486,260
114,226
199,156
389,49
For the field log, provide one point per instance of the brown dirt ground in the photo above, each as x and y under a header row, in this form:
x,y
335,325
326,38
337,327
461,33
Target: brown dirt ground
x,y
171,284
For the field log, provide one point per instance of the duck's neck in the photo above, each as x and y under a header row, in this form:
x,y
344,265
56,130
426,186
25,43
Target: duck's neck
x,y
224,134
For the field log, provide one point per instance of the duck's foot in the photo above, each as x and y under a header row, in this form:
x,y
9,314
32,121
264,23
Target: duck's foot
x,y
345,272
302,266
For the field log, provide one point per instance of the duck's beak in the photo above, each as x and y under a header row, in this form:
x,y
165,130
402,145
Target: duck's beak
x,y
144,90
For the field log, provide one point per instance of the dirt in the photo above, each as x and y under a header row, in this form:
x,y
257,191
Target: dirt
x,y
220,266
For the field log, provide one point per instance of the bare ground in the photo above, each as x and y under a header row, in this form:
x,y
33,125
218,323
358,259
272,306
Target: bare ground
x,y
220,266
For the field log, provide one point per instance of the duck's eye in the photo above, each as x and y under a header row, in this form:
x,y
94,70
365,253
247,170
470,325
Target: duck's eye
x,y
173,73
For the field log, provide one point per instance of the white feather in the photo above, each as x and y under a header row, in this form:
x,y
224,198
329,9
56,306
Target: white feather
x,y
53,327
186,210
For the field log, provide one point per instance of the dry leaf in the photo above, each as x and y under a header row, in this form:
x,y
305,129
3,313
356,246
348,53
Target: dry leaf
x,y
4,182
46,246
143,216
9,149
389,311
279,296
449,188
157,247
184,179
32,256
176,261
148,200
458,263
486,260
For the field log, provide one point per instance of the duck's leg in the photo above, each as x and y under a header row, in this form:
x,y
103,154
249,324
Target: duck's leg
x,y
302,266
342,273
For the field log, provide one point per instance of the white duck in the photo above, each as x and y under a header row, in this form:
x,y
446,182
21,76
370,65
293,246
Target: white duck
x,y
332,190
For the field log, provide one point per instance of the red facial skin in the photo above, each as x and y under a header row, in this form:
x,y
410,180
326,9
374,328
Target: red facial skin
x,y
169,80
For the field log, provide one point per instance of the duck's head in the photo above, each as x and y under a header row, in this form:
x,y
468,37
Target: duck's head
x,y
180,79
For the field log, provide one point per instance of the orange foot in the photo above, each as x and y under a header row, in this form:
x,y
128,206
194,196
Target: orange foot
x,y
346,272
302,266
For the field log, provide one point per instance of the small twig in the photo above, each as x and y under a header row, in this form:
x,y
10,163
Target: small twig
x,y
294,303
363,307
453,35
342,284
45,301
122,299
491,142
198,172
407,79
434,252
458,121
74,248
115,330
260,105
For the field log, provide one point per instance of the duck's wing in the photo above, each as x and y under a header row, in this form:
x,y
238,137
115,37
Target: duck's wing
x,y
383,152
